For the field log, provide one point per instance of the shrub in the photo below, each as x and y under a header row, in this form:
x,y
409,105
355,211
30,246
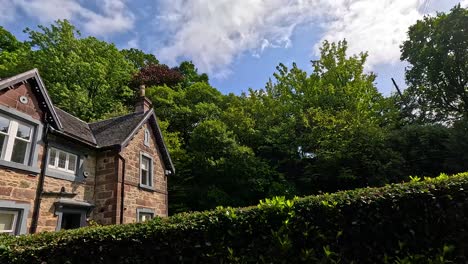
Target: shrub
x,y
417,222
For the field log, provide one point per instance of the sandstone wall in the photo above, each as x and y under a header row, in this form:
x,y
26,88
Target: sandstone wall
x,y
135,196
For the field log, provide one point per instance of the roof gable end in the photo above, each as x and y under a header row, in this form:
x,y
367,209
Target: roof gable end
x,y
37,86
150,117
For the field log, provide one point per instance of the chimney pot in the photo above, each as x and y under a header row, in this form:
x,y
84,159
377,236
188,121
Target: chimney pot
x,y
143,104
142,90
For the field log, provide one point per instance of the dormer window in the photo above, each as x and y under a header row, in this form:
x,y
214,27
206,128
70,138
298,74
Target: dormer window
x,y
147,137
15,140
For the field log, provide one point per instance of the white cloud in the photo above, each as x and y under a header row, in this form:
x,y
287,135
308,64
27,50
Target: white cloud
x,y
132,43
214,33
113,15
115,18
7,11
378,27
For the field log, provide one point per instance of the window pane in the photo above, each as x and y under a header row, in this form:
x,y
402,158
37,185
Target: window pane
x,y
144,177
23,132
145,171
2,141
146,137
4,124
62,159
19,151
144,163
145,217
72,163
52,156
6,222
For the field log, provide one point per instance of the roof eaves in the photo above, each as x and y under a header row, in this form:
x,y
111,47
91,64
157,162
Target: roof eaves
x,y
163,144
8,82
75,138
47,99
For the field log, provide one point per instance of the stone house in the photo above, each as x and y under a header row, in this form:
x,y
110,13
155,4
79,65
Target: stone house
x,y
58,172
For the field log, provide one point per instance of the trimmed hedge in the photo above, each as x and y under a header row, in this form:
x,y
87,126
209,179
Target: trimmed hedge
x,y
415,222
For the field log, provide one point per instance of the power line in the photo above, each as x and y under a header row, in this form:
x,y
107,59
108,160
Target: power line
x,y
425,6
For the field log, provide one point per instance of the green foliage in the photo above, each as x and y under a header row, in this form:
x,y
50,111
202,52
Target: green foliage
x,y
437,50
12,53
190,73
84,76
417,222
324,130
423,149
8,42
138,58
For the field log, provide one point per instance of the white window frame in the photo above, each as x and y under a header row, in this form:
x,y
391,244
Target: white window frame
x,y
150,170
144,211
11,137
67,160
147,138
14,224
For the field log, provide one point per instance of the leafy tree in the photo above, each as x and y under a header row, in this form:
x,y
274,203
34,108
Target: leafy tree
x,y
84,76
8,42
190,73
424,150
138,58
225,172
158,74
437,51
457,145
323,130
12,53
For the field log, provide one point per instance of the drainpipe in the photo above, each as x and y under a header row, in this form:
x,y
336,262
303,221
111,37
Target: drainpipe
x,y
122,191
40,184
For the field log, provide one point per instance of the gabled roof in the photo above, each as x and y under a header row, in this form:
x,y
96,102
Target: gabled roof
x,y
37,85
111,133
118,131
114,131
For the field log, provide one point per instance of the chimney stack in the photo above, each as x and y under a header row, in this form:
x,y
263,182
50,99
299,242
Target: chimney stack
x,y
143,104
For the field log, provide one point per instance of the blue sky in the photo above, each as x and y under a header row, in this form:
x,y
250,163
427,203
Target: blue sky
x,y
238,43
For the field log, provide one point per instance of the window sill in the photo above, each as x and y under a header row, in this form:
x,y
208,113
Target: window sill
x,y
63,175
19,166
146,187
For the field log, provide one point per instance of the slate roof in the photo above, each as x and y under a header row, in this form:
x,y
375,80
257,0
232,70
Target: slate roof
x,y
76,127
115,131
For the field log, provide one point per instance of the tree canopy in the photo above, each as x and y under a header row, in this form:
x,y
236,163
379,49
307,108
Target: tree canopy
x,y
437,51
